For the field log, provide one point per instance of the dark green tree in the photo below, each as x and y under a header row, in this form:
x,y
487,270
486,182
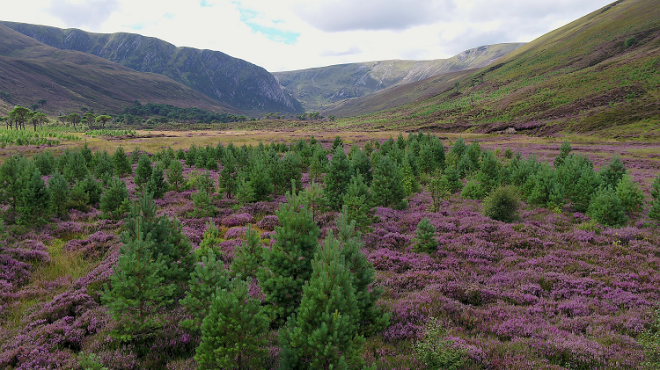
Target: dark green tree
x,y
169,241
564,151
338,142
203,205
324,332
228,177
208,276
489,173
337,179
104,169
175,175
358,202
455,183
138,290
143,171
122,165
425,241
76,167
248,257
287,266
234,332
361,163
611,174
372,317
59,190
632,198
606,208
157,184
502,204
387,187
191,156
586,186
409,180
35,198
114,201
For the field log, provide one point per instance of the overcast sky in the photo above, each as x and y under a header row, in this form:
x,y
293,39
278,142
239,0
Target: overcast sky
x,y
284,35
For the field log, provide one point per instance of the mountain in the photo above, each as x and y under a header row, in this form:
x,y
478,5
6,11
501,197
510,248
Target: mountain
x,y
600,73
319,89
229,80
69,80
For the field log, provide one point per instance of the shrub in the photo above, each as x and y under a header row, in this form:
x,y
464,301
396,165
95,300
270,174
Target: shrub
x,y
606,208
630,42
473,190
143,170
437,352
502,204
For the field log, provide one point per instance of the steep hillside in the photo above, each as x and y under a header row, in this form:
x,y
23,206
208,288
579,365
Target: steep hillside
x,y
229,80
598,73
396,95
69,80
319,89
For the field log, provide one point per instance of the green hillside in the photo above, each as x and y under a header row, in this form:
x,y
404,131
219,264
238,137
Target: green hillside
x,y
68,80
320,89
229,80
598,73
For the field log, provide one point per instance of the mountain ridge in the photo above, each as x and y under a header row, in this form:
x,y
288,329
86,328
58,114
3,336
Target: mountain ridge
x,y
69,80
232,81
322,88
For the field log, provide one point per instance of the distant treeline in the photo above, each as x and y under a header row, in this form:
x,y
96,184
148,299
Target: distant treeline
x,y
168,112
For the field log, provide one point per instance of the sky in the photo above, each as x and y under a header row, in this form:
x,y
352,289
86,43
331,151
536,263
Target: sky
x,y
282,35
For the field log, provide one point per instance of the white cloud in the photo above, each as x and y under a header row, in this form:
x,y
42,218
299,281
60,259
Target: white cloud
x,y
88,14
295,34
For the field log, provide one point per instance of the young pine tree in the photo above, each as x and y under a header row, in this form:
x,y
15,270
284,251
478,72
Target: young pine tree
x,y
143,171
75,168
191,156
175,175
288,266
167,236
324,334
210,241
228,181
114,201
337,179
35,198
372,317
234,332
611,174
410,185
387,187
157,184
208,276
361,163
489,174
606,208
440,190
104,169
425,241
632,198
249,256
564,151
654,212
358,202
122,165
138,290
59,191
314,199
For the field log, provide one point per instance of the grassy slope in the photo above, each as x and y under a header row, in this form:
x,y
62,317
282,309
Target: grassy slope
x,y
230,80
578,78
319,89
69,80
